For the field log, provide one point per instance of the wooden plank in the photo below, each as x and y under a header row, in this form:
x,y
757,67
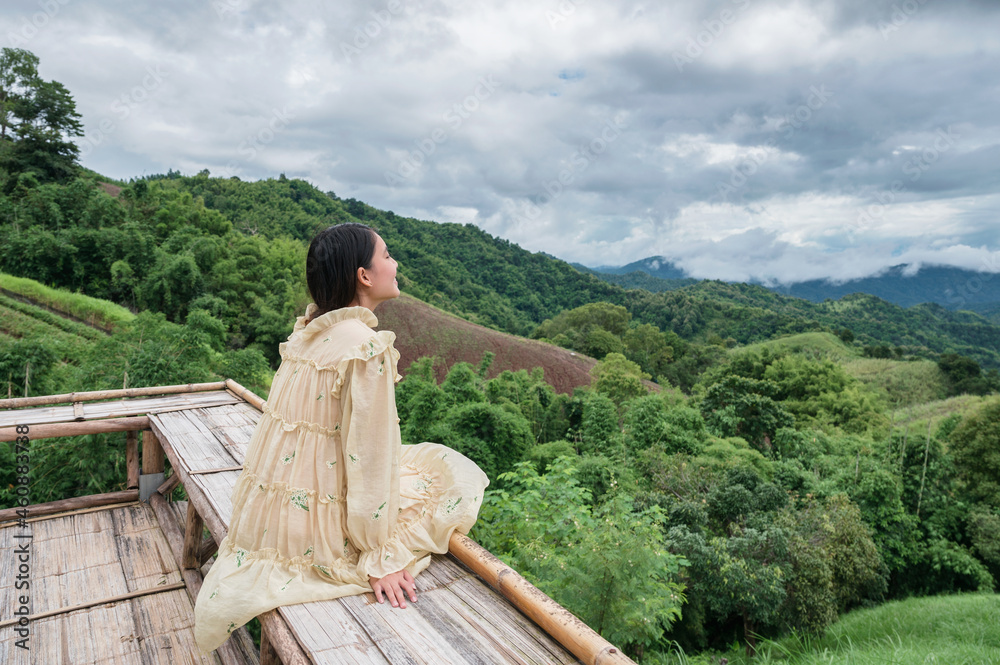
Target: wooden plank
x,y
116,408
19,402
143,549
506,623
233,425
328,632
193,441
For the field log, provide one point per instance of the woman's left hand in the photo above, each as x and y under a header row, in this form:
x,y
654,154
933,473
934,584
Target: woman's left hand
x,y
393,586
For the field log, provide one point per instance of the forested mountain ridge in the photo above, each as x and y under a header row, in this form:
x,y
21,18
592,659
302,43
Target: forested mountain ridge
x,y
904,285
184,243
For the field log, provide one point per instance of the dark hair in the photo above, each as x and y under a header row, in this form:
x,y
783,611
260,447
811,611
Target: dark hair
x,y
335,255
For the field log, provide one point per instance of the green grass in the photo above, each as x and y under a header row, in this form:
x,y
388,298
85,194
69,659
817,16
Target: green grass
x,y
66,345
44,315
904,382
814,345
93,310
950,630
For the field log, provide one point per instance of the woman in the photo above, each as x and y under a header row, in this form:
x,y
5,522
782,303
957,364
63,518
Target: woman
x,y
329,503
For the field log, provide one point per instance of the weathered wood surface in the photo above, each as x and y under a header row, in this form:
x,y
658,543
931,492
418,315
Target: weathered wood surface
x,y
116,408
95,558
185,388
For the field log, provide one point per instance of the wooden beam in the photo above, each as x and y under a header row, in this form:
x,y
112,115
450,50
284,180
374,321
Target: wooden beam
x,y
76,429
268,656
152,452
552,617
281,639
10,514
102,601
191,558
132,458
168,485
247,396
19,402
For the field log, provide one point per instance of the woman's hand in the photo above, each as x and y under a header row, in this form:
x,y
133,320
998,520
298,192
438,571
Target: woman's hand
x,y
393,586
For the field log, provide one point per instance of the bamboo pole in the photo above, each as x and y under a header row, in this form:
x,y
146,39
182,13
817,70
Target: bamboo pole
x,y
19,402
10,514
76,429
239,391
132,458
552,617
102,601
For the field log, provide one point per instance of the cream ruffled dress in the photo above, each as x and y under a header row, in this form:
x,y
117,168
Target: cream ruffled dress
x,y
328,495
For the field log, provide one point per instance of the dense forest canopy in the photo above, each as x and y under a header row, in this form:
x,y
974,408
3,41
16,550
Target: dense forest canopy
x,y
798,460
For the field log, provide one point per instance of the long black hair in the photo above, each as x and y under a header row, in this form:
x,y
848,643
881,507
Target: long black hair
x,y
335,255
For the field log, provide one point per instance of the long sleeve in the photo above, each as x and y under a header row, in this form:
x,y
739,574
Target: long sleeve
x,y
371,440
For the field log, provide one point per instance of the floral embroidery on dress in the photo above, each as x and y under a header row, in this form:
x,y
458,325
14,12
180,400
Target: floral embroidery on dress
x,y
214,594
308,551
330,463
300,499
378,512
285,586
381,368
354,458
371,349
320,396
232,625
327,339
388,555
336,427
262,488
345,545
287,459
241,554
332,497
451,505
322,569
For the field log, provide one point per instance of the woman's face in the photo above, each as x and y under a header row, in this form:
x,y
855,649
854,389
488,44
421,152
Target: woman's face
x,y
382,284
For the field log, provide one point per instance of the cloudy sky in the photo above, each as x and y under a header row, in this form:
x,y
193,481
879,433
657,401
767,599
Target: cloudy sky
x,y
741,139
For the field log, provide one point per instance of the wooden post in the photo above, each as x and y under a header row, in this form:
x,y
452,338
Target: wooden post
x,y
152,453
191,558
268,656
132,458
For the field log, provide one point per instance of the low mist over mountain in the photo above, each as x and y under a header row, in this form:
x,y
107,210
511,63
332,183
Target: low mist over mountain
x,y
903,285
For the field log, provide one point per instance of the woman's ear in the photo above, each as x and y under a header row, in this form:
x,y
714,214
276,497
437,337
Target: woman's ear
x,y
363,277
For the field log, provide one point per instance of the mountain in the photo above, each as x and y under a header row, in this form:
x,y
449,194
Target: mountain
x,y
953,288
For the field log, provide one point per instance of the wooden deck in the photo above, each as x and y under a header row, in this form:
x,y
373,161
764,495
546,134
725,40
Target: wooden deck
x,y
108,588
101,553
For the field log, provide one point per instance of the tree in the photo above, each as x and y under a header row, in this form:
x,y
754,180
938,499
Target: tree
x,y
619,378
975,443
37,117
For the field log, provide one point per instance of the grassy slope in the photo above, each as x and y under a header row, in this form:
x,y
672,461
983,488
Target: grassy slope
x,y
76,306
425,330
957,630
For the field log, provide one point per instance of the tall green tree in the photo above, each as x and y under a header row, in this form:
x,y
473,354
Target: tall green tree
x,y
37,120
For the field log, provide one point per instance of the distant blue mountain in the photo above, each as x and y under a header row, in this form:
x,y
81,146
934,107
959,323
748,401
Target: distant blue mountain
x,y
949,287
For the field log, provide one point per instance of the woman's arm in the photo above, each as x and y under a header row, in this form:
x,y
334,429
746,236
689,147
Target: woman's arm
x,y
370,436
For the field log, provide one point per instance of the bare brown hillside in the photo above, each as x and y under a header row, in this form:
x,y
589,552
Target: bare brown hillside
x,y
424,330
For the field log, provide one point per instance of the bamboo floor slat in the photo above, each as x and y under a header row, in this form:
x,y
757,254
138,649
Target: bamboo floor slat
x,y
83,558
